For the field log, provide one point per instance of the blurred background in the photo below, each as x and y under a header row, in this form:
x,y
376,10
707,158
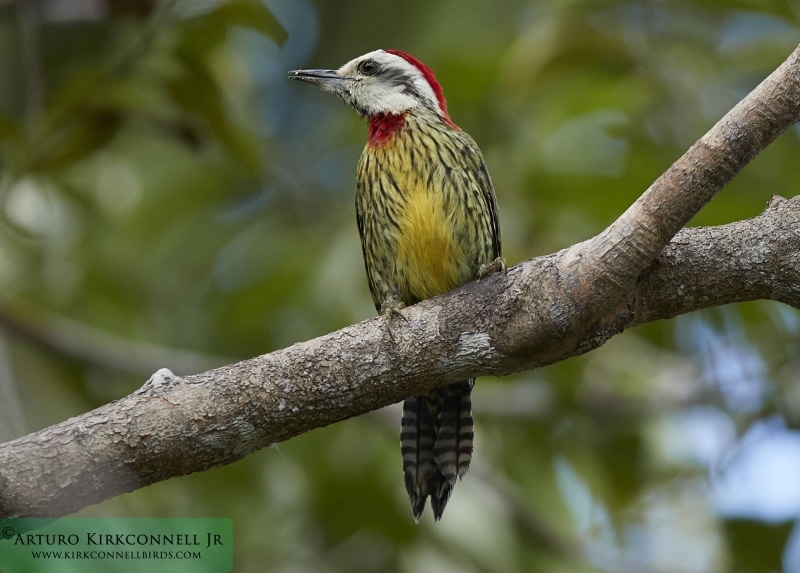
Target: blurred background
x,y
169,199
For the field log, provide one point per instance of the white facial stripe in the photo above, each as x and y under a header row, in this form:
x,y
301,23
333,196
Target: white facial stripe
x,y
375,96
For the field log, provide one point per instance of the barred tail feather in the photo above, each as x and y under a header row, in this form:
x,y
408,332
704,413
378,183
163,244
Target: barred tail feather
x,y
455,433
466,430
441,489
436,441
417,439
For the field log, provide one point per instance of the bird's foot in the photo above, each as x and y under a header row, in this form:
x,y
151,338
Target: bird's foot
x,y
497,265
389,309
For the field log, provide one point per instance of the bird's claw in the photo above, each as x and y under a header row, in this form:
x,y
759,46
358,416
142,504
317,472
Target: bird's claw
x,y
389,309
497,265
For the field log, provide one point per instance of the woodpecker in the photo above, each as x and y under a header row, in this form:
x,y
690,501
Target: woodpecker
x,y
427,216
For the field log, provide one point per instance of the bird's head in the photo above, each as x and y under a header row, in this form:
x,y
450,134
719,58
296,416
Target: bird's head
x,y
381,83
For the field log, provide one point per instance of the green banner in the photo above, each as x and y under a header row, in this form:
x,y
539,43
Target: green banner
x,y
124,545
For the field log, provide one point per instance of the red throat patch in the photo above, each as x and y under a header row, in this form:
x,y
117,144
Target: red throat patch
x,y
382,127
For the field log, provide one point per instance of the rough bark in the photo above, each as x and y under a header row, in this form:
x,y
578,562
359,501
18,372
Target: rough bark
x,y
542,311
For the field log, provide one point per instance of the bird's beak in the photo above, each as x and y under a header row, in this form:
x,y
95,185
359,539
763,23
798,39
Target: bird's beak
x,y
326,79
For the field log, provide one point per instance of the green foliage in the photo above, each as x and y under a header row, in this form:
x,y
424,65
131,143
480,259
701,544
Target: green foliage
x,y
162,182
757,546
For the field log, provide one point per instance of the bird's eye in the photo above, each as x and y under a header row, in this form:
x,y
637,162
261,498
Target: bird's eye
x,y
368,67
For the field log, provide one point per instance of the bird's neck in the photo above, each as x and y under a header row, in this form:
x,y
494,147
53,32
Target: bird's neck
x,y
383,127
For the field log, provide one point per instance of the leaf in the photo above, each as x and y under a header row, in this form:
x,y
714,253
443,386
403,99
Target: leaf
x,y
196,92
87,132
8,128
251,14
756,546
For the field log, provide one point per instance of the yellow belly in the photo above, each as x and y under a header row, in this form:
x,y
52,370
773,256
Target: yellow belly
x,y
427,253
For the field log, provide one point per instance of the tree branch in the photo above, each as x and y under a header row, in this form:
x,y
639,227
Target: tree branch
x,y
542,311
759,260
96,347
